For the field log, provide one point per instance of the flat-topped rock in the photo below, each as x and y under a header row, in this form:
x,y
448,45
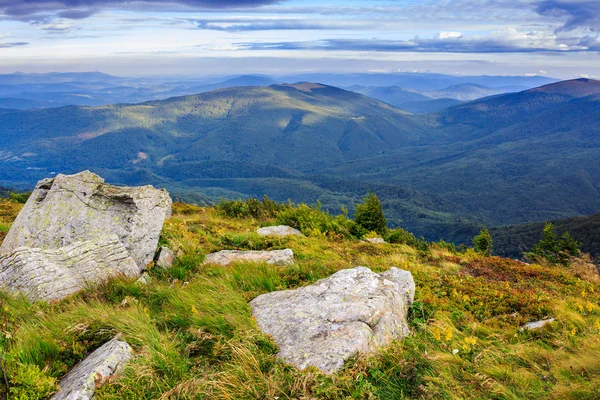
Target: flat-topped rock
x,y
81,382
375,240
81,207
353,311
57,273
280,230
276,257
537,324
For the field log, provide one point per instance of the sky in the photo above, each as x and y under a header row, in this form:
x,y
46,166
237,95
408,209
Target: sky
x,y
558,38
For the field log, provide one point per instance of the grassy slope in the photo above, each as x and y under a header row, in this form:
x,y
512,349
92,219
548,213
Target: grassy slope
x,y
194,336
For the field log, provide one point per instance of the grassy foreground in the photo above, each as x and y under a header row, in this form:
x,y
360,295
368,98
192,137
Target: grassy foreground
x,y
195,338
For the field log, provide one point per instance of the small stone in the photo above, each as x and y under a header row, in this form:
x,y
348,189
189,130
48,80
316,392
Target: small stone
x,y
280,231
165,258
226,257
145,279
81,382
537,324
353,311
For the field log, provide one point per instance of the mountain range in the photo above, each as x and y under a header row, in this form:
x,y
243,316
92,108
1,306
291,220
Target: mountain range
x,y
504,159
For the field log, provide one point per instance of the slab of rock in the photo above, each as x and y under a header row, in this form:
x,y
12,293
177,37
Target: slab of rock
x,y
57,273
353,311
280,230
375,240
81,207
226,257
81,382
537,324
165,257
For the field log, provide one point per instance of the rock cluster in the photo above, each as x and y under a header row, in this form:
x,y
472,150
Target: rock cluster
x,y
76,230
81,382
353,311
226,257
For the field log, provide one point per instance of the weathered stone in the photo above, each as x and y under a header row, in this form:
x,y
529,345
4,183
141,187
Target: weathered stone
x,y
57,273
375,240
537,324
226,257
280,230
145,279
81,207
165,258
93,371
353,311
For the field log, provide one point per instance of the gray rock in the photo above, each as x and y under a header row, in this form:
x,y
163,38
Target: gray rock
x,y
375,240
81,382
353,311
226,257
165,257
145,279
280,230
81,207
537,324
54,274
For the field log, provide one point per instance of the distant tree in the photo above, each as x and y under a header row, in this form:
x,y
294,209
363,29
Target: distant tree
x,y
370,215
556,251
483,243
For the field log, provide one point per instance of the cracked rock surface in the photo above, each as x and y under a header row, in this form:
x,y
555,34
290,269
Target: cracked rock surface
x,y
81,382
279,230
81,207
226,257
353,311
57,273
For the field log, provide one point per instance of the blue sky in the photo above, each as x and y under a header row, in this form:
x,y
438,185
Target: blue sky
x,y
206,37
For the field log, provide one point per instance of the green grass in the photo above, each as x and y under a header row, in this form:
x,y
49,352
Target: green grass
x,y
195,338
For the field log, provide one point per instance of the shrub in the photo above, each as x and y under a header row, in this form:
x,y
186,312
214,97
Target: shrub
x,y
482,243
314,221
265,208
401,236
370,216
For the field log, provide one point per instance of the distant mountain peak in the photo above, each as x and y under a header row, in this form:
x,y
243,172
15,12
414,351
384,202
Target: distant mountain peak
x,y
304,86
580,87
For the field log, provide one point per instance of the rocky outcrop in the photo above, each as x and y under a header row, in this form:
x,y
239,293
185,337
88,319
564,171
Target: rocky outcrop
x,y
105,362
81,207
54,274
165,258
280,231
226,257
353,311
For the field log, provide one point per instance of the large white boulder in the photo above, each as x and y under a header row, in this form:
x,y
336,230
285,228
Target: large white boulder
x,y
353,311
57,273
81,207
81,382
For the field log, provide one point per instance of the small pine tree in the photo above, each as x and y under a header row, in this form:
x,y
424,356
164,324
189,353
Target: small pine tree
x,y
482,243
556,251
370,215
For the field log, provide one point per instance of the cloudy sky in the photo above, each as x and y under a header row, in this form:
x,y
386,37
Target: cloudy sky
x,y
558,38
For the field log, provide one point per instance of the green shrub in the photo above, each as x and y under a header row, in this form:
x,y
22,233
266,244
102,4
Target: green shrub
x,y
19,197
314,221
28,382
370,216
265,208
400,236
